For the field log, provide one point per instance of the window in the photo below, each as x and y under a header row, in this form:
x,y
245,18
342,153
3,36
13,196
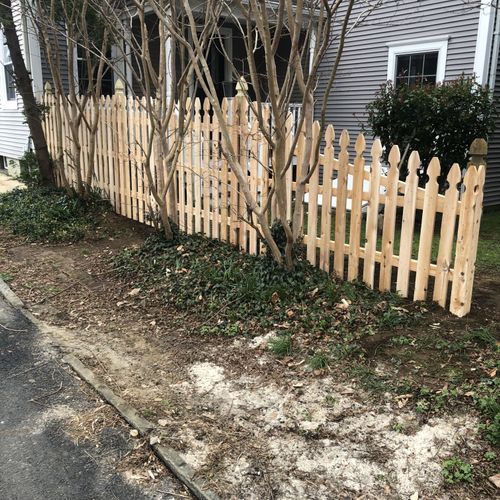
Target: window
x,y
10,84
416,69
83,76
7,81
417,62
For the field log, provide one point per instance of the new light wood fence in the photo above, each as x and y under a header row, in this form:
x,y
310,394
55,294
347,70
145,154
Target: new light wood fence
x,y
361,221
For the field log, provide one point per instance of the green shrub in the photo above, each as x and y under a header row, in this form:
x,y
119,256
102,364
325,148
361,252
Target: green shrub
x,y
42,214
455,470
436,120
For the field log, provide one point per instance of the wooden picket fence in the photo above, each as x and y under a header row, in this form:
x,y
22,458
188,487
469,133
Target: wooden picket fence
x,y
418,245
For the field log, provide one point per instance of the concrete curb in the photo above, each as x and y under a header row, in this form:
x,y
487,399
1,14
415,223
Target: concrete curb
x,y
10,296
172,459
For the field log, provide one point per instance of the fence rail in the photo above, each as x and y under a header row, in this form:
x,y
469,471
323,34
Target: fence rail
x,y
423,246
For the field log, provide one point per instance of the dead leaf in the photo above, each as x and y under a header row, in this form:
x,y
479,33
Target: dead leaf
x,y
275,297
414,496
134,433
495,480
492,373
163,422
290,313
154,440
134,292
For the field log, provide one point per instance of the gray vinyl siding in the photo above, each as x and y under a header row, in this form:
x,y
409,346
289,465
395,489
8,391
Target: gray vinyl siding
x,y
63,62
363,67
492,187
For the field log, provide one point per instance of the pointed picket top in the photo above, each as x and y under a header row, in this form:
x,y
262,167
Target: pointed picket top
x,y
454,176
197,105
434,169
344,140
329,136
119,87
360,145
413,163
206,104
394,156
470,177
48,88
376,150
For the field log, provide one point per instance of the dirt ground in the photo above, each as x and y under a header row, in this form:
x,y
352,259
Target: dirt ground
x,y
252,425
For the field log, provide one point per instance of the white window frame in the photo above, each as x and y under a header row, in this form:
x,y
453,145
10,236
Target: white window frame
x,y
5,60
437,44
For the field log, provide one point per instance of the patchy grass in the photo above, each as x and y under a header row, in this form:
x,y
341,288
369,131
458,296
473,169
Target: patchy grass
x,y
40,214
488,252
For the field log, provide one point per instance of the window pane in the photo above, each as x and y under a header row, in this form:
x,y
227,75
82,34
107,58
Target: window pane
x,y
429,80
9,82
402,66
416,64
430,63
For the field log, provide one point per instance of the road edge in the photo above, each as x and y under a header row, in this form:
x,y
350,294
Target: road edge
x,y
171,458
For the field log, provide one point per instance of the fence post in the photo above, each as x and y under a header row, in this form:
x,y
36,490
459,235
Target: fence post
x,y
477,152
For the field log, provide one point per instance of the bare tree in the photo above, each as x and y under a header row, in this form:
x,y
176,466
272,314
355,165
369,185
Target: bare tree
x,y
163,80
22,79
83,31
311,26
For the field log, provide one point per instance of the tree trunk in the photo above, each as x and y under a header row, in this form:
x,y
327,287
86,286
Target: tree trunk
x,y
23,86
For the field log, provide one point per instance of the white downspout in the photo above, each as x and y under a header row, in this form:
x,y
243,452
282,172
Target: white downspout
x,y
494,53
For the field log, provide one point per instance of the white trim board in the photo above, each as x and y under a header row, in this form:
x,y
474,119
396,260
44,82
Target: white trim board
x,y
483,42
417,45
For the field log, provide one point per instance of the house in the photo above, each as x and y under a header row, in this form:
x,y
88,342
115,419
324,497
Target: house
x,y
438,40
14,132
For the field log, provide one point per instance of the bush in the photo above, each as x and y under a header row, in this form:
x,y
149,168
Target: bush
x,y
42,214
440,120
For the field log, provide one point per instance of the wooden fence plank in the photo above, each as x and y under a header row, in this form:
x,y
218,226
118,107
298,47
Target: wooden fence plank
x,y
224,183
408,225
326,202
389,220
356,207
312,209
465,241
447,234
206,167
197,174
372,215
478,211
427,231
340,209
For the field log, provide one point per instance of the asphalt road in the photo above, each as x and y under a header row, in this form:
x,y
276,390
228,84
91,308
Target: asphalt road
x,y
37,396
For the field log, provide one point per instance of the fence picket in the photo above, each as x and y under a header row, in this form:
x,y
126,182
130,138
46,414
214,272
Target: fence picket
x,y
372,215
465,242
340,207
356,207
312,209
408,225
448,223
206,166
197,173
427,231
389,220
224,213
326,202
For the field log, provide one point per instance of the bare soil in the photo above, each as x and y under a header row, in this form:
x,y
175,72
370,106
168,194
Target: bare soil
x,y
252,425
